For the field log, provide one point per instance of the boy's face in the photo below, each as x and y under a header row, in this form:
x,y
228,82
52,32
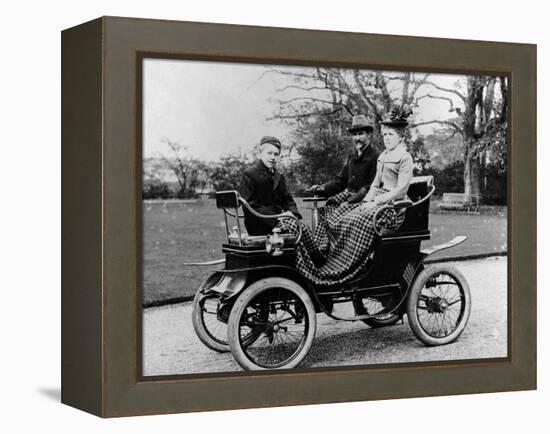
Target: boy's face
x,y
269,154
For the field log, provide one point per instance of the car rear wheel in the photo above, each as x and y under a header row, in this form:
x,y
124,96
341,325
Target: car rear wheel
x,y
210,330
382,316
439,304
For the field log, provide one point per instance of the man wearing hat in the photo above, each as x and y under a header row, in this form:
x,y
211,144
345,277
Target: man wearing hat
x,y
264,188
360,168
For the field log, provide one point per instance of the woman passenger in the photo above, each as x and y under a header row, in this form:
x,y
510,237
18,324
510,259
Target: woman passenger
x,y
394,166
341,245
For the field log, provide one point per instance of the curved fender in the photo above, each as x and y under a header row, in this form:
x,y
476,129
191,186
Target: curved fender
x,y
414,268
207,263
230,283
455,241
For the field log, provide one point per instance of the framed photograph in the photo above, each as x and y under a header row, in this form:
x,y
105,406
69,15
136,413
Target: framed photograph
x,y
262,217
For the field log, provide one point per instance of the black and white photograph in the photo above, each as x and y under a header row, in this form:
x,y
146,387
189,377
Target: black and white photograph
x,y
319,216
290,216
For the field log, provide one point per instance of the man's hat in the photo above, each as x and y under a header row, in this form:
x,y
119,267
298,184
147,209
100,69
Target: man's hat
x,y
271,140
360,123
397,117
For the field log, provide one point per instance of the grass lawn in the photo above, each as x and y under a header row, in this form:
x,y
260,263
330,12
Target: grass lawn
x,y
177,232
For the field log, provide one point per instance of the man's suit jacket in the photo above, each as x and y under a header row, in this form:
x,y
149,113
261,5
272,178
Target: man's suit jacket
x,y
266,193
357,174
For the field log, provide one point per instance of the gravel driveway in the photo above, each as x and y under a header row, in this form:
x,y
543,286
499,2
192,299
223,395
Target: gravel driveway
x,y
171,347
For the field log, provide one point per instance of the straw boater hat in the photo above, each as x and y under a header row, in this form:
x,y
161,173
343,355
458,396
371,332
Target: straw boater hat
x,y
271,140
360,123
397,117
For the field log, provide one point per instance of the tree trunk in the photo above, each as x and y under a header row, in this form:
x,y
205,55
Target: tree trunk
x,y
504,93
489,100
475,177
405,93
467,171
182,181
472,114
472,172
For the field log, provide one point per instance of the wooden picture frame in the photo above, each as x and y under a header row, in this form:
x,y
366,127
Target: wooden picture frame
x,y
101,202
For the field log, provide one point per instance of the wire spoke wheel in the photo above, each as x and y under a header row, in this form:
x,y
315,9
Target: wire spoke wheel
x,y
380,309
281,332
210,330
439,305
272,325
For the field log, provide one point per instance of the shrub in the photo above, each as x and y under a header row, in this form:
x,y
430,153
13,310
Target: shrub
x,y
155,189
494,185
449,179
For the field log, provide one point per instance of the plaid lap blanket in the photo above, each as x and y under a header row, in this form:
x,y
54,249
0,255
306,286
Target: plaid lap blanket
x,y
342,242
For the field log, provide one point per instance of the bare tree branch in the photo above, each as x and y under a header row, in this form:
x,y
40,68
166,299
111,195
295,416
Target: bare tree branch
x,y
363,93
177,164
305,115
405,91
446,139
309,98
448,123
293,86
449,100
444,89
287,73
390,78
381,84
418,83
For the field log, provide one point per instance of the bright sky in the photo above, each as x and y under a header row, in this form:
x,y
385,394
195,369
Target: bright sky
x,y
213,108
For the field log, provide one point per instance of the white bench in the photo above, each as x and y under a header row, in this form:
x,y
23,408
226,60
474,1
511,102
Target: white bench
x,y
459,202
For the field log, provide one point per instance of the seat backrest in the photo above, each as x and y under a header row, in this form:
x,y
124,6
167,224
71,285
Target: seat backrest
x,y
227,199
416,217
420,187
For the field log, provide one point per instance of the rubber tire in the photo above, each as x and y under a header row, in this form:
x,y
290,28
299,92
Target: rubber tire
x,y
201,330
242,302
412,312
374,322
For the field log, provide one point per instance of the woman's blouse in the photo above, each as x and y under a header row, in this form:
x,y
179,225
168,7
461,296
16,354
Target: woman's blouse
x,y
394,172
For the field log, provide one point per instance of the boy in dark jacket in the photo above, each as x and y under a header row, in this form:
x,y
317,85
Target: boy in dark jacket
x,y
264,188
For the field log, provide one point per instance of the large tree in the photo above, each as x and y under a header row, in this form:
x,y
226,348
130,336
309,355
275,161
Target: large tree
x,y
481,122
323,101
317,104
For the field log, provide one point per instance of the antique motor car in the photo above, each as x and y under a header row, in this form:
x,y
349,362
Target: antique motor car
x,y
263,310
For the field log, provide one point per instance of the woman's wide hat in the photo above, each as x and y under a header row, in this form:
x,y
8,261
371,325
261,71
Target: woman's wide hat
x,y
360,123
397,117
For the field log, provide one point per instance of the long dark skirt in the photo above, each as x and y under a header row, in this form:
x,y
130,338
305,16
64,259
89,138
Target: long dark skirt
x,y
341,245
